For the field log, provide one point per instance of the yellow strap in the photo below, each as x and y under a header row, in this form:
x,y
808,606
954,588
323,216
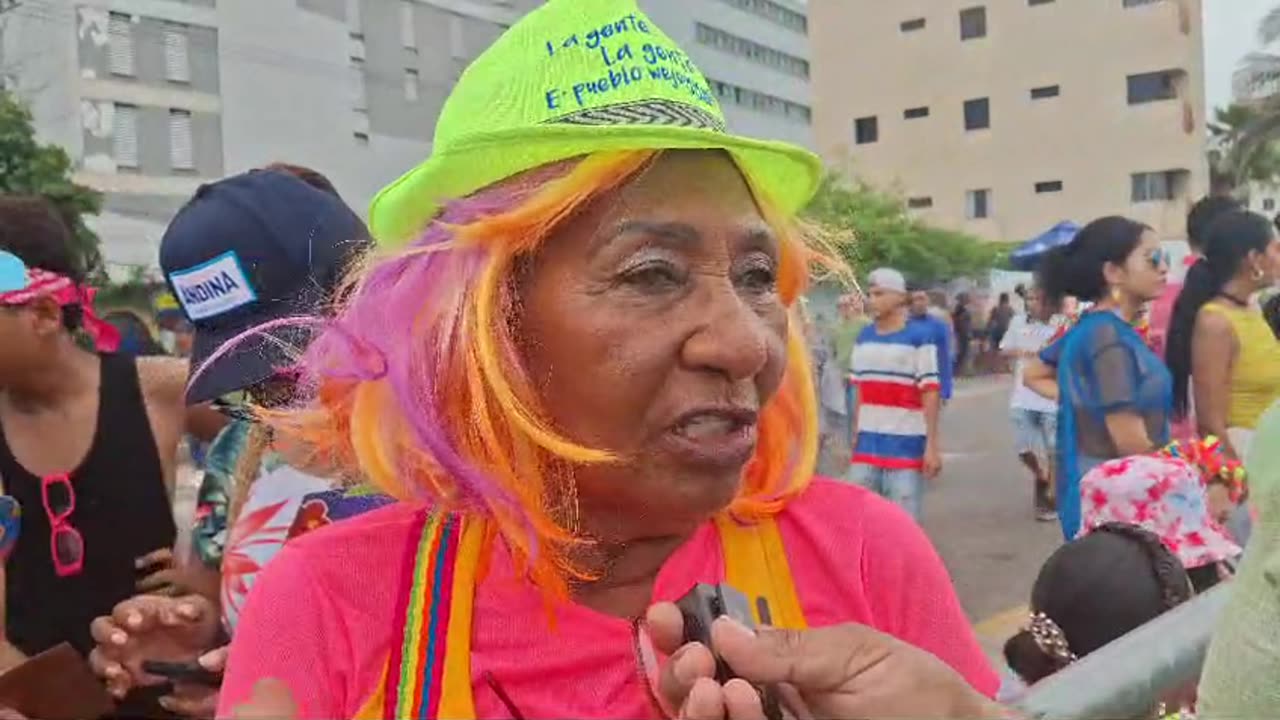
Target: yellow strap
x,y
457,700
755,562
372,708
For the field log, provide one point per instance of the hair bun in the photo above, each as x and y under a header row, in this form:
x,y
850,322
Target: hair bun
x,y
1023,655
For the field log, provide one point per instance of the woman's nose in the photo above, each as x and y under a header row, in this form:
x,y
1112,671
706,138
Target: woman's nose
x,y
730,337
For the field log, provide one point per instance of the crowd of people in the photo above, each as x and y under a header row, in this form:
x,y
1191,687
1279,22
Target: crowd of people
x,y
469,460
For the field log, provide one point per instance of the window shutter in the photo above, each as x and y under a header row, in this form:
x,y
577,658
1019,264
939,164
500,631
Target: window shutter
x,y
120,44
181,150
177,60
125,136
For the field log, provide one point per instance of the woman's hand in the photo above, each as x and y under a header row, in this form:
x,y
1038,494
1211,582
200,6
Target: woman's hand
x,y
150,627
161,572
844,671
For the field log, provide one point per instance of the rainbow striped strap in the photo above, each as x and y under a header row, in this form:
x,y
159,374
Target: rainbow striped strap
x,y
415,675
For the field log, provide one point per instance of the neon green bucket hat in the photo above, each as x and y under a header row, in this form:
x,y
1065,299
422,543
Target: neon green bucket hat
x,y
575,77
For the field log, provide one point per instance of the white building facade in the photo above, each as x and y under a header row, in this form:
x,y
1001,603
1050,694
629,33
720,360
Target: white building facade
x,y
152,98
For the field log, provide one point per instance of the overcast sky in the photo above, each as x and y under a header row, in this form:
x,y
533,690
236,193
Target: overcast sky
x,y
1230,32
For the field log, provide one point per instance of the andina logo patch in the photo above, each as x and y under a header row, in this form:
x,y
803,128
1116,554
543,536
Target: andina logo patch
x,y
213,288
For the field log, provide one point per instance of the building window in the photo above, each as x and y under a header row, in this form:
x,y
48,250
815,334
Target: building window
x,y
731,94
124,141
753,51
359,98
774,12
360,126
1156,186
411,85
120,44
1268,204
181,149
920,203
977,114
866,130
1049,186
915,113
912,25
977,204
408,31
1152,87
1136,3
1044,93
973,23
177,57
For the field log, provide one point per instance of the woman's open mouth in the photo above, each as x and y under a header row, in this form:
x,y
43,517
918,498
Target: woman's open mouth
x,y
723,438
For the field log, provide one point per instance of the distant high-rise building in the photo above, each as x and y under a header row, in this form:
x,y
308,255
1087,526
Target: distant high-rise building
x,y
151,98
1004,117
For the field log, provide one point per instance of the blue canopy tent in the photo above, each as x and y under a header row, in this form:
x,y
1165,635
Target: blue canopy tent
x,y
1030,252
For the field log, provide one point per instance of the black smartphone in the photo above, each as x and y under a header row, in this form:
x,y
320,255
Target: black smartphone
x,y
702,605
187,672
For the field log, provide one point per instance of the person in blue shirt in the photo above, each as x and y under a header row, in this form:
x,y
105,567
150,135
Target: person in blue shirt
x,y
940,332
1115,396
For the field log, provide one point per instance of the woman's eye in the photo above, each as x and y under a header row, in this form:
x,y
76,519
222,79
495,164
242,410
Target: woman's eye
x,y
652,275
759,277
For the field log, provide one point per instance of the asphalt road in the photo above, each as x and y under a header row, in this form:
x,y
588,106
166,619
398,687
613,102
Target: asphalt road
x,y
979,512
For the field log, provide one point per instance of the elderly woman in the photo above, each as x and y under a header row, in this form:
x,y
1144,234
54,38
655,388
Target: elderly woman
x,y
582,379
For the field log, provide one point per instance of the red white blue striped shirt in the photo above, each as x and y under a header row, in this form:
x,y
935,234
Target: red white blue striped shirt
x,y
893,372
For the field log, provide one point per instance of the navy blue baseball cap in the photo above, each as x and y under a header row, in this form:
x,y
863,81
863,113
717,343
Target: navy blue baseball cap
x,y
255,247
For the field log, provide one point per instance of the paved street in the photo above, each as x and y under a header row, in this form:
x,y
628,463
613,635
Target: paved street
x,y
979,513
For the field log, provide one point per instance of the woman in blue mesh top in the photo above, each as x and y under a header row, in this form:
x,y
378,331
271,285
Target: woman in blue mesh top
x,y
1115,395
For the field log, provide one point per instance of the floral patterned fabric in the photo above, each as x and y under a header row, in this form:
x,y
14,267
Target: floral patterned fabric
x,y
209,534
1163,495
327,507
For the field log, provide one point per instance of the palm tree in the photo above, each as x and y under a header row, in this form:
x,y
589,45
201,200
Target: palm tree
x,y
1229,131
1248,132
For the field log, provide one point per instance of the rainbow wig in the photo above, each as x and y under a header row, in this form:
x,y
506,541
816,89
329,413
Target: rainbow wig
x,y
419,387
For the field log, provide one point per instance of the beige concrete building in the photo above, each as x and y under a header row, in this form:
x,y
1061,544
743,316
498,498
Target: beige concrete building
x,y
1004,117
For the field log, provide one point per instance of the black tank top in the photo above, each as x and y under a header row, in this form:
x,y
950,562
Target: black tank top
x,y
122,511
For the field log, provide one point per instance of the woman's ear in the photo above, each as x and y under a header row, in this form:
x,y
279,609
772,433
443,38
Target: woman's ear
x,y
46,316
1113,274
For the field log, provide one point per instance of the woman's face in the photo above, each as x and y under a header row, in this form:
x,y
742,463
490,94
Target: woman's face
x,y
652,325
1146,270
1266,264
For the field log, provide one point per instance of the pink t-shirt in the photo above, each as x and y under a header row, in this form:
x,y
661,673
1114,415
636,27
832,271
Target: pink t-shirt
x,y
320,617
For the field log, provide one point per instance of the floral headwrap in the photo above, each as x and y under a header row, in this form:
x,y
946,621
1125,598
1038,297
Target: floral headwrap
x,y
20,285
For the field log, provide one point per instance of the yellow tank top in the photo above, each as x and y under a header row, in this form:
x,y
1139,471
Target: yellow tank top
x,y
1255,377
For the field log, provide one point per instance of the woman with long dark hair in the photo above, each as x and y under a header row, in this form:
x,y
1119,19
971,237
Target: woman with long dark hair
x,y
1218,340
1114,393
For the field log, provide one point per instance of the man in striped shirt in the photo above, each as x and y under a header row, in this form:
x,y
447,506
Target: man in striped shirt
x,y
895,368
